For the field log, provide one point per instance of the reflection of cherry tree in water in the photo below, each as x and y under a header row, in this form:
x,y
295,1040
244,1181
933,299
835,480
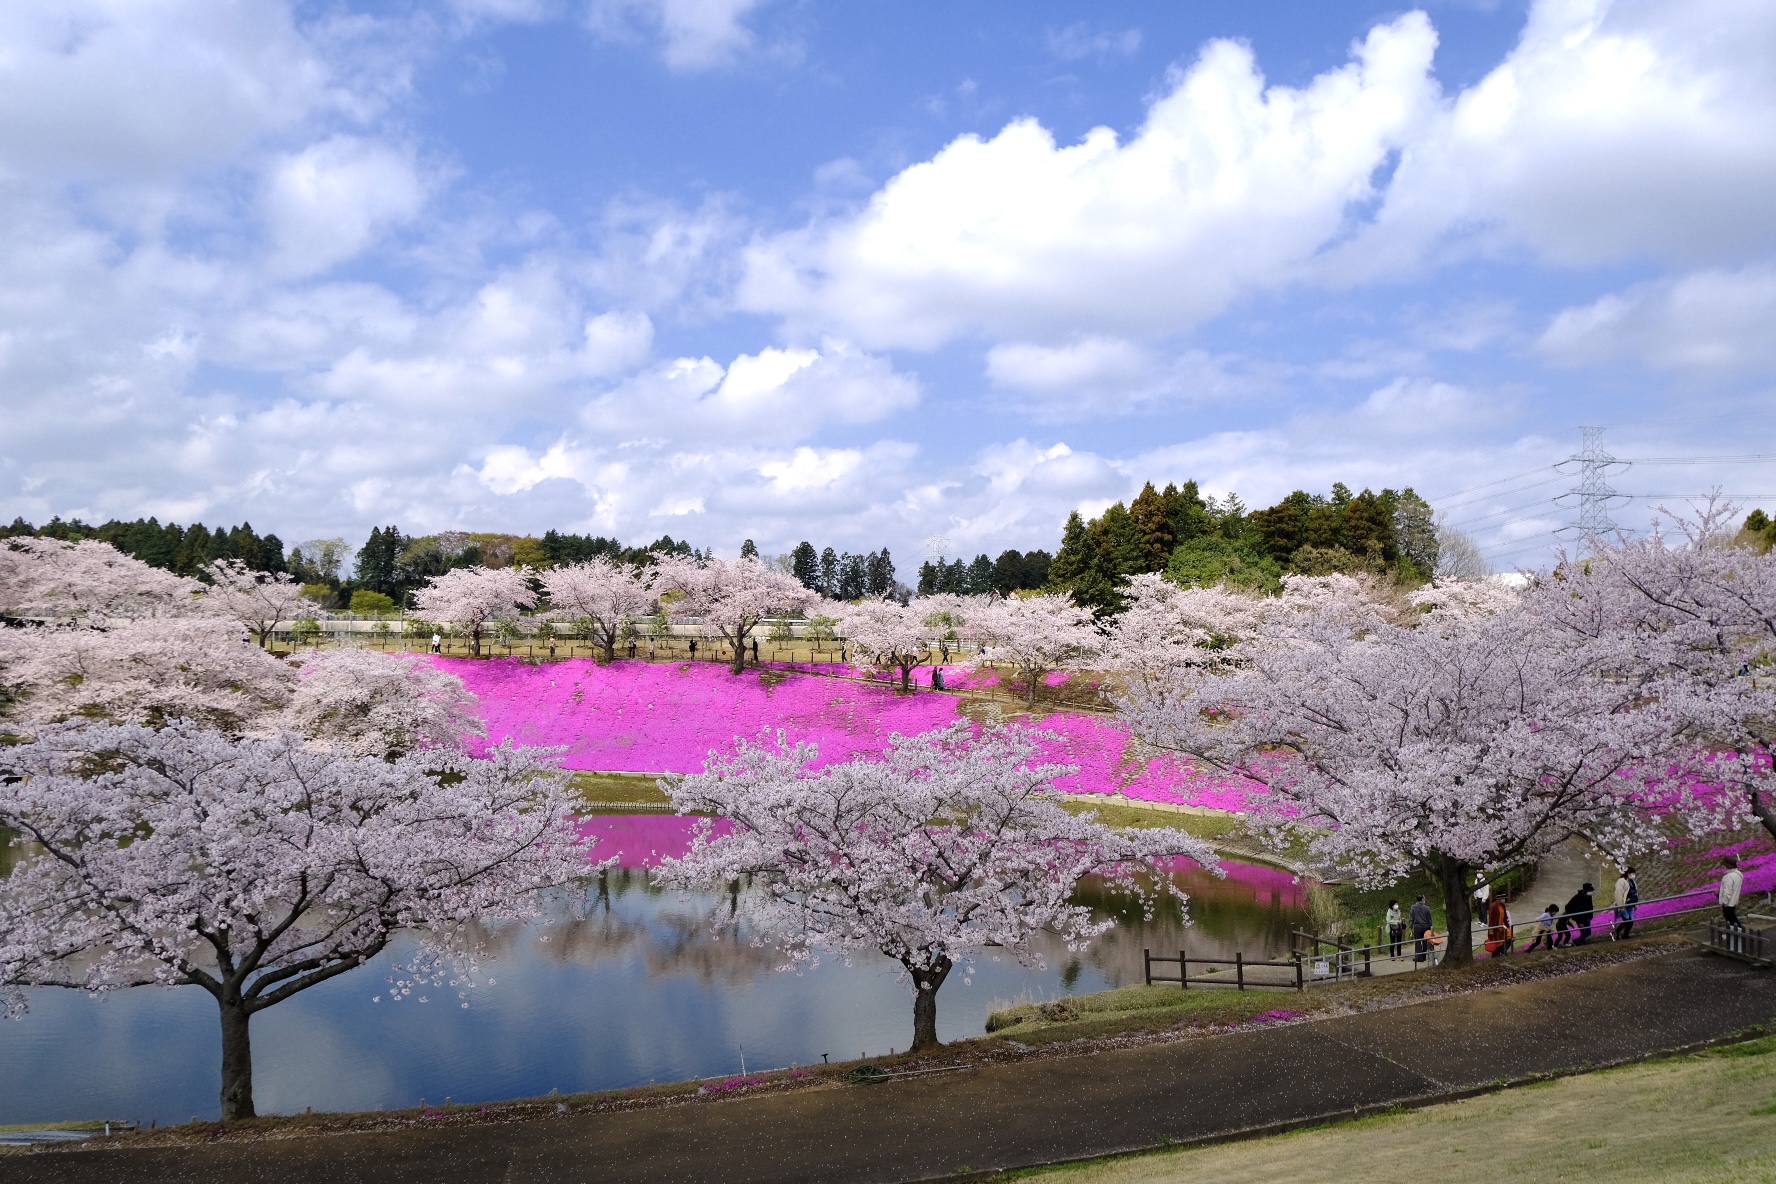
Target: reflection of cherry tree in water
x,y
671,931
1226,916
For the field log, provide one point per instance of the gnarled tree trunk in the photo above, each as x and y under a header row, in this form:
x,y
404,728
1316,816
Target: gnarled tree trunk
x,y
926,981
738,665
1458,914
237,1057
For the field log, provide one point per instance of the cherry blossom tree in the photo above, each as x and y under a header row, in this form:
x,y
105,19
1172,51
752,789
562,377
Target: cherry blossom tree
x,y
1690,620
471,597
602,592
897,635
87,582
1032,634
257,599
142,671
1460,742
256,869
950,842
730,598
372,704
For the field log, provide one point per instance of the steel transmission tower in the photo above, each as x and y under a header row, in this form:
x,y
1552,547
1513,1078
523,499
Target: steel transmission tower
x,y
1594,489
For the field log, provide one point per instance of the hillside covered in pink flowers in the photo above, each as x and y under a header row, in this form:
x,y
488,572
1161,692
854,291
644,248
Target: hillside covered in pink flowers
x,y
646,717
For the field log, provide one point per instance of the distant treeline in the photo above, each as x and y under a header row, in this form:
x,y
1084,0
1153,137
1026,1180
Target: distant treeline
x,y
185,550
1013,571
840,576
1202,541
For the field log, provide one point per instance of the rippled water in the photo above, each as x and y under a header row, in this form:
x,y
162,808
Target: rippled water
x,y
639,989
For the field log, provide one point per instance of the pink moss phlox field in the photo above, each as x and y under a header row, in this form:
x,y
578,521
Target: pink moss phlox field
x,y
642,717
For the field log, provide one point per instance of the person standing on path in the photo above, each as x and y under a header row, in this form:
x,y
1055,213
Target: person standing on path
x,y
1730,886
1499,939
755,651
1579,910
1420,917
1627,896
693,649
437,644
1396,928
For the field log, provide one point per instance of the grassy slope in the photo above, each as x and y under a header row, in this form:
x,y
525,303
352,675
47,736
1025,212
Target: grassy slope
x,y
1706,1117
640,788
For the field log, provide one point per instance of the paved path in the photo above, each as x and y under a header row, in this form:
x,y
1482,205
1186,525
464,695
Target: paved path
x,y
1041,1111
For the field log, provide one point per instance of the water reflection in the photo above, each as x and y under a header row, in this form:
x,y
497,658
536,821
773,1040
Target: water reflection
x,y
628,984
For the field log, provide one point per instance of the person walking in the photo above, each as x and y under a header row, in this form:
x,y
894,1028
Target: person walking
x,y
755,651
1420,919
437,644
1731,884
1627,897
1396,928
693,649
1579,911
1544,930
1499,939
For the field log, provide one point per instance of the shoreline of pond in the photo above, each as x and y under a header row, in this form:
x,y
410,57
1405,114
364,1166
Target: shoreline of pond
x,y
1226,1013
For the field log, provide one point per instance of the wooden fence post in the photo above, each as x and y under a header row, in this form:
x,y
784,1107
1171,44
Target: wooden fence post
x,y
1300,982
1239,968
1147,964
1183,971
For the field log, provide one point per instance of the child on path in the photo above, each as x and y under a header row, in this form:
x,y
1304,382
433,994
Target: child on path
x,y
1396,927
1544,929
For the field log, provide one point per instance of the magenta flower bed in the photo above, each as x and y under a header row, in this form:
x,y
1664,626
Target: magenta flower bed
x,y
642,717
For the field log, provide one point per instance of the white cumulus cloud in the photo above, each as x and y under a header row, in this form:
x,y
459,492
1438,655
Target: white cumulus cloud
x,y
327,203
1717,320
1229,187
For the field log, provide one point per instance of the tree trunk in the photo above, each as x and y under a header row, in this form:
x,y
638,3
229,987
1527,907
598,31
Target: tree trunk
x,y
1458,913
1033,676
1764,813
738,666
237,1061
906,679
926,981
475,641
610,648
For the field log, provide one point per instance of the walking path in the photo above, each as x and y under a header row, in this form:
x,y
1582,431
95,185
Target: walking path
x,y
1042,1111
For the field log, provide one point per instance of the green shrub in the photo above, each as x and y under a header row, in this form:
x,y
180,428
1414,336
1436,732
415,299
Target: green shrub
x,y
366,601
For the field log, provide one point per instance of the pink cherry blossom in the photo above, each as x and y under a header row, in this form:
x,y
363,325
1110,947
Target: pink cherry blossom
x,y
600,591
729,598
372,704
472,597
947,843
258,868
1031,634
1460,742
256,599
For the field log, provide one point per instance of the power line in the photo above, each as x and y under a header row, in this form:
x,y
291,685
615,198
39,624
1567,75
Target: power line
x,y
1700,460
1546,501
1505,492
1490,484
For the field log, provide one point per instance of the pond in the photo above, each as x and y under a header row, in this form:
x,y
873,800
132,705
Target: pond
x,y
639,987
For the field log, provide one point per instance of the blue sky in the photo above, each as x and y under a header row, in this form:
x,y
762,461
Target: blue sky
x,y
872,274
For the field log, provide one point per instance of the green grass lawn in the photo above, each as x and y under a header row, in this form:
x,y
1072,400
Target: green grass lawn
x,y
1708,1117
637,788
